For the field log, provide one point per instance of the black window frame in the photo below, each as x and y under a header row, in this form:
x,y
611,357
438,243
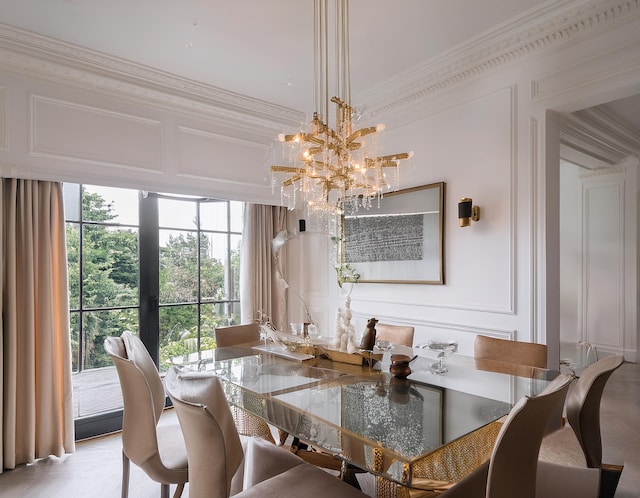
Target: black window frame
x,y
148,290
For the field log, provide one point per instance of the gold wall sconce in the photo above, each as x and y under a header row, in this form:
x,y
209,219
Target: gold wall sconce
x,y
467,212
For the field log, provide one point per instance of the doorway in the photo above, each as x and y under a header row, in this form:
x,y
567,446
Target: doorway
x,y
598,226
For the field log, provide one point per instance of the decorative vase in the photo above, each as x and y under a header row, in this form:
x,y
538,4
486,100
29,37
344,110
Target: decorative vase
x,y
399,367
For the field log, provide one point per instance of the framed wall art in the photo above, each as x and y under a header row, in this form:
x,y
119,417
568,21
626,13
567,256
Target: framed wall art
x,y
399,241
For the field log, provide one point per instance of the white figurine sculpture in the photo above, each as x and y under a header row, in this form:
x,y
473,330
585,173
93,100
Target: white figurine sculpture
x,y
345,331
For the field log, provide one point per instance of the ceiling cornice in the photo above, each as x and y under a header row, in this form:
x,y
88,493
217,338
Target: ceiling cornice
x,y
598,134
553,24
549,26
29,53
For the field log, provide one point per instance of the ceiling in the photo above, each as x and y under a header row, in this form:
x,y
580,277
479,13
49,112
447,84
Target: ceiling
x,y
627,109
264,48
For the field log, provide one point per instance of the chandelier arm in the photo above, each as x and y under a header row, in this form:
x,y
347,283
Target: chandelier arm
x,y
322,166
317,150
389,165
290,138
392,157
286,169
360,133
291,181
310,138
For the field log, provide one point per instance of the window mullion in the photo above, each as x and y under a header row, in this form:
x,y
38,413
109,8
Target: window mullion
x,y
149,277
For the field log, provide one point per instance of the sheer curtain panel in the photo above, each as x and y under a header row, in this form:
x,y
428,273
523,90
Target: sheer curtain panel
x,y
36,409
261,287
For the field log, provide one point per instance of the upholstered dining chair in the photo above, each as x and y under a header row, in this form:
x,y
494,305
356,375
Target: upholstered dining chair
x,y
519,352
222,463
232,335
524,359
395,334
579,443
514,470
159,450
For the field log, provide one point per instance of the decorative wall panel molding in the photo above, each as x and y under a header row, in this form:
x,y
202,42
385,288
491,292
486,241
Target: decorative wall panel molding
x,y
603,272
193,145
93,135
535,268
421,303
4,138
491,138
418,322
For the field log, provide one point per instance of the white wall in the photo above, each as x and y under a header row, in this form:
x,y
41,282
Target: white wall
x,y
570,252
599,256
481,125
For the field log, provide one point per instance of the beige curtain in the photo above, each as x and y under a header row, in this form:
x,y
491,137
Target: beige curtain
x,y
36,409
261,289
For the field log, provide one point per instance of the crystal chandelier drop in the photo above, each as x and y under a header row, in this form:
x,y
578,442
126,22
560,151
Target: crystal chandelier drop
x,y
334,170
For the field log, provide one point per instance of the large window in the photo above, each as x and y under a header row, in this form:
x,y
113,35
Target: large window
x,y
165,267
199,260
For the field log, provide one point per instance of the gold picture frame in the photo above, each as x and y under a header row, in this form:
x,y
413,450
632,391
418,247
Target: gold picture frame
x,y
398,240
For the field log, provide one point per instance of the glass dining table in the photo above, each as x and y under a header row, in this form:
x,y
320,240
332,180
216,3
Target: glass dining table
x,y
361,413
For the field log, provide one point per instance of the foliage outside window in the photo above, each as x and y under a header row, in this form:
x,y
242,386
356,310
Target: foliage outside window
x,y
197,252
198,272
102,254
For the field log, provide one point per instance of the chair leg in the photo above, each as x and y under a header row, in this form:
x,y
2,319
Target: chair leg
x,y
179,490
164,491
125,475
609,478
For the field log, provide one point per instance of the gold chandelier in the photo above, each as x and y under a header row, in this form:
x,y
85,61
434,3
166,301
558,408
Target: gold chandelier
x,y
333,170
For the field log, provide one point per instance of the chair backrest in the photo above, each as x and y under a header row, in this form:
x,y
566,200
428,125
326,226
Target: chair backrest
x,y
521,353
237,334
514,461
583,406
395,334
142,393
511,368
214,449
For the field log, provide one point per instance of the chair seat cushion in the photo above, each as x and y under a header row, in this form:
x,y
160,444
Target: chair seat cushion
x,y
302,480
562,447
171,447
262,460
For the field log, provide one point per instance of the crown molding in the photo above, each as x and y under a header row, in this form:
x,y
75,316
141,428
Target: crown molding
x,y
35,55
549,26
615,171
596,133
